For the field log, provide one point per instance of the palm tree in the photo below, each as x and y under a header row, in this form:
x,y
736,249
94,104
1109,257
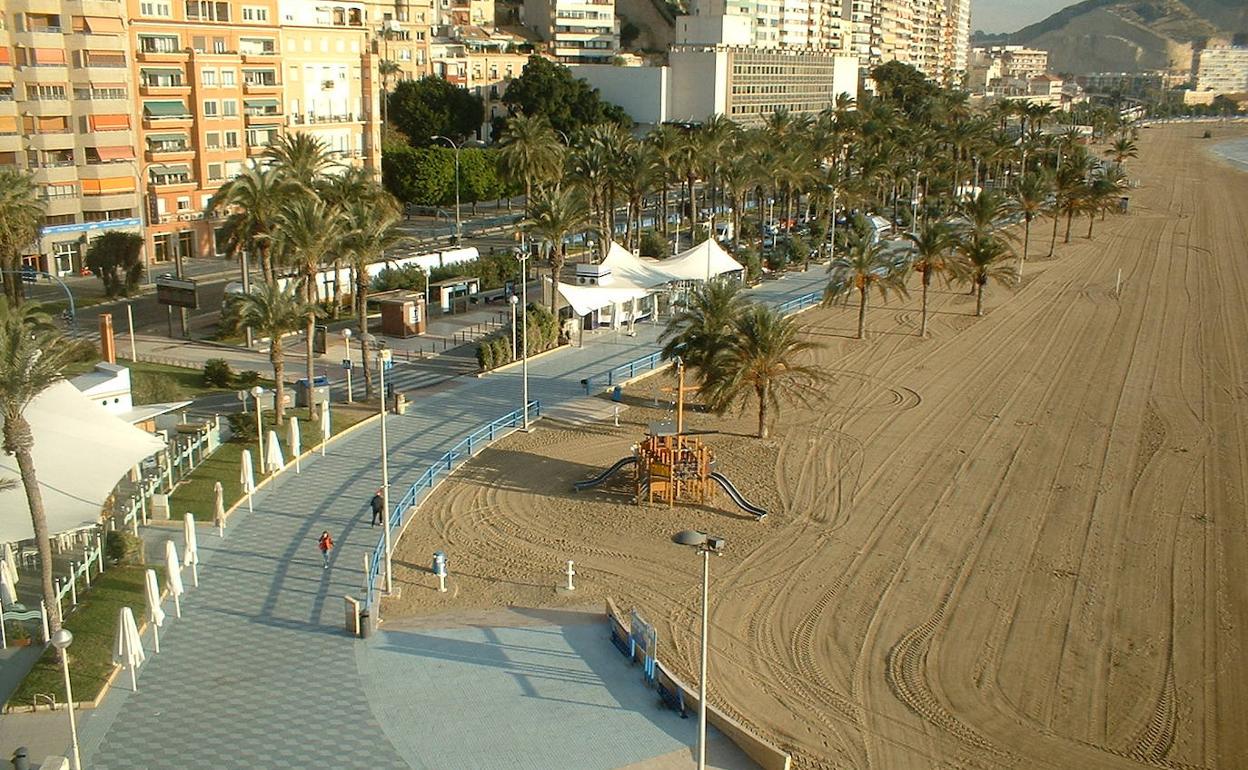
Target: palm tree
x,y
21,216
340,191
932,247
303,158
980,260
1071,188
1032,199
667,142
554,216
703,329
309,234
866,264
1124,147
371,228
762,361
530,153
1103,193
252,201
274,311
590,168
32,356
981,215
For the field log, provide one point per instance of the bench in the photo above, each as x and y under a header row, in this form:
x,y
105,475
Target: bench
x,y
620,642
673,698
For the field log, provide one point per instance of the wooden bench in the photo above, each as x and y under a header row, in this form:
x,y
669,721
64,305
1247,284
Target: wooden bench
x,y
620,642
673,698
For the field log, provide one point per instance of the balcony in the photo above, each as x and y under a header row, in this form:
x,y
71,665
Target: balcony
x,y
47,107
61,205
54,173
58,141
11,143
168,153
259,55
108,170
250,88
262,112
163,88
108,202
161,54
94,7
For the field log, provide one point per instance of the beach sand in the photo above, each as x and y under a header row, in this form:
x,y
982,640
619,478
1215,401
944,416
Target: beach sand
x,y
1021,542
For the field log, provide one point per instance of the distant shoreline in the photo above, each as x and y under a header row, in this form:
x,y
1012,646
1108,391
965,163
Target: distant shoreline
x,y
1233,150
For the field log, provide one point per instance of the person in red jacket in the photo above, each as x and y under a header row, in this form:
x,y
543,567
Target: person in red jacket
x,y
326,544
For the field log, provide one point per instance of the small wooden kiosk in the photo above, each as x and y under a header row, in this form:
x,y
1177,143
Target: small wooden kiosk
x,y
403,314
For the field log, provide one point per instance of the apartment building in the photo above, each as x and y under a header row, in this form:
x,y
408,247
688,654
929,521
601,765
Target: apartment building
x,y
65,116
991,67
816,24
484,61
931,35
576,31
1222,70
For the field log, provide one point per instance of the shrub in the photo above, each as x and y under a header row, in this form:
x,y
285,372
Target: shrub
x,y
242,426
247,378
152,388
652,245
485,355
502,351
753,264
217,373
121,547
777,260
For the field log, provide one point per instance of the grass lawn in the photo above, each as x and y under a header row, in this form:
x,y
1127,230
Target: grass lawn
x,y
194,494
94,626
183,383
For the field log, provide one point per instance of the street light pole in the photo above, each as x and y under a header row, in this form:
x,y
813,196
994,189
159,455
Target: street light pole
x,y
346,335
61,641
257,392
706,545
459,233
523,256
383,358
513,300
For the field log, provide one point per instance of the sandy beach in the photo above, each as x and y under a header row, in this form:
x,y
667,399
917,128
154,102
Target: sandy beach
x,y
1021,542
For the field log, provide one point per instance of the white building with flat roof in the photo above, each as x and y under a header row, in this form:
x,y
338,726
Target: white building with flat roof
x,y
578,31
1222,70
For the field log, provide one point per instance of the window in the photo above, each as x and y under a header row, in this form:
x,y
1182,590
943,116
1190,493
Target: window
x,y
218,45
208,77
255,14
212,140
87,93
214,171
229,108
210,108
231,139
44,93
227,78
184,204
203,10
59,191
158,43
154,9
59,219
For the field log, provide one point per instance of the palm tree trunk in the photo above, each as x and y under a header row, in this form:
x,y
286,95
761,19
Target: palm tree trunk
x,y
1026,242
266,262
313,414
557,257
862,314
927,272
279,374
761,392
337,287
361,293
18,436
979,296
1070,218
663,204
1091,221
1053,241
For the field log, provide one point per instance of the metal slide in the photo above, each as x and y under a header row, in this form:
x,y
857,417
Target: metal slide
x,y
737,497
601,477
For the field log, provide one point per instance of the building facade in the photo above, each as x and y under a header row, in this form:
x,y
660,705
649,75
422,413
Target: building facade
x,y
817,24
1222,70
576,31
933,36
66,116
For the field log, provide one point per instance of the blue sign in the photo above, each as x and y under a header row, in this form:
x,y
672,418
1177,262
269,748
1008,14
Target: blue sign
x,y
387,364
111,224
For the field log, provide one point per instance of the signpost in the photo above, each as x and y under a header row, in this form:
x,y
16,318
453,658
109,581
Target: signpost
x,y
181,293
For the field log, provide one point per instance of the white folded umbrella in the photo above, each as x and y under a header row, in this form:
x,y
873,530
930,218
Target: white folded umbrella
x,y
326,431
10,563
8,594
292,439
173,576
128,650
190,552
273,453
218,507
246,477
155,615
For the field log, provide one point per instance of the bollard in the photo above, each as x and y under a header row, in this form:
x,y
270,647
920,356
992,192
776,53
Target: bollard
x,y
439,569
570,573
21,758
617,418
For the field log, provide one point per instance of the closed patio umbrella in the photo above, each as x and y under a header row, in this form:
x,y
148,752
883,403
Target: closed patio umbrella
x,y
273,454
10,564
326,431
155,615
246,477
173,577
218,508
190,552
292,440
8,593
128,650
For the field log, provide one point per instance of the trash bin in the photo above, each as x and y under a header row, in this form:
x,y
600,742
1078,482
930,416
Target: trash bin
x,y
319,395
398,403
617,394
21,759
366,625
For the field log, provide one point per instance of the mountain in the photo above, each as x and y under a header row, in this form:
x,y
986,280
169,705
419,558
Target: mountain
x,y
1133,35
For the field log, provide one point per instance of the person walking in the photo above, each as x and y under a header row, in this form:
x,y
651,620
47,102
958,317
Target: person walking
x,y
326,544
378,507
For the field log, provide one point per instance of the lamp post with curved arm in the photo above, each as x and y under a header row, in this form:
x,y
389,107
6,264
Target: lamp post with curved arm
x,y
459,232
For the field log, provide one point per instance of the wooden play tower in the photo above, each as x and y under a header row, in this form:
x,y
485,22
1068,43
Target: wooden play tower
x,y
672,467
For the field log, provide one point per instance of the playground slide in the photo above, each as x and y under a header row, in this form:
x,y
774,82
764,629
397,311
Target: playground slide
x,y
601,477
737,497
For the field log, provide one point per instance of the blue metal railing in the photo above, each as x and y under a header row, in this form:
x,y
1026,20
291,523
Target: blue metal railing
x,y
655,360
442,467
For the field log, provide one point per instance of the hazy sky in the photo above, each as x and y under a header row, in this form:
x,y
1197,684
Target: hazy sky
x,y
1011,15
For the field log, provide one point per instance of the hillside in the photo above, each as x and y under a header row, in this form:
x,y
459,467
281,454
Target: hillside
x,y
1118,36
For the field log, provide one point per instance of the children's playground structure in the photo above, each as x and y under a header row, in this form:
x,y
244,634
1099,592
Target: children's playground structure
x,y
672,467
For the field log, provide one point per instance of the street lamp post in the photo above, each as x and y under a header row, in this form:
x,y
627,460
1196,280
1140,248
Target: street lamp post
x,y
346,336
256,393
383,359
706,545
513,300
459,233
61,641
523,256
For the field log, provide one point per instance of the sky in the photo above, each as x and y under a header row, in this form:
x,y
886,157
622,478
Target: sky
x,y
1011,15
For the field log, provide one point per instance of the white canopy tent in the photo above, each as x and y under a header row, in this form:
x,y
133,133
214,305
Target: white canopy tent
x,y
81,451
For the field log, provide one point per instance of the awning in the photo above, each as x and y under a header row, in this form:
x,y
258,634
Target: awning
x,y
169,109
587,299
108,186
47,55
178,168
160,70
81,452
103,25
115,153
109,122
166,137
707,259
261,103
5,56
8,124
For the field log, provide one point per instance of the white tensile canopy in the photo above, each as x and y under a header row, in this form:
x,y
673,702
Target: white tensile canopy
x,y
634,277
704,261
81,451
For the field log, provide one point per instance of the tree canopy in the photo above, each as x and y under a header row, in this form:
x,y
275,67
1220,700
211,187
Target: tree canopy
x,y
549,89
114,257
432,106
426,176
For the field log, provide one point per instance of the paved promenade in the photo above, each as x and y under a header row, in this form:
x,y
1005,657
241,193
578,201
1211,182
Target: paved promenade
x,y
258,672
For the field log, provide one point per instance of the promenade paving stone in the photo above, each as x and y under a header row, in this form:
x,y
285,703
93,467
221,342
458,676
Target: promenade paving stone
x,y
257,672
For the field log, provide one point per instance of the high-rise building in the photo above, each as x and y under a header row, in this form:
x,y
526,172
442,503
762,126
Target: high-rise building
x,y
933,36
66,117
816,24
1222,70
584,31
